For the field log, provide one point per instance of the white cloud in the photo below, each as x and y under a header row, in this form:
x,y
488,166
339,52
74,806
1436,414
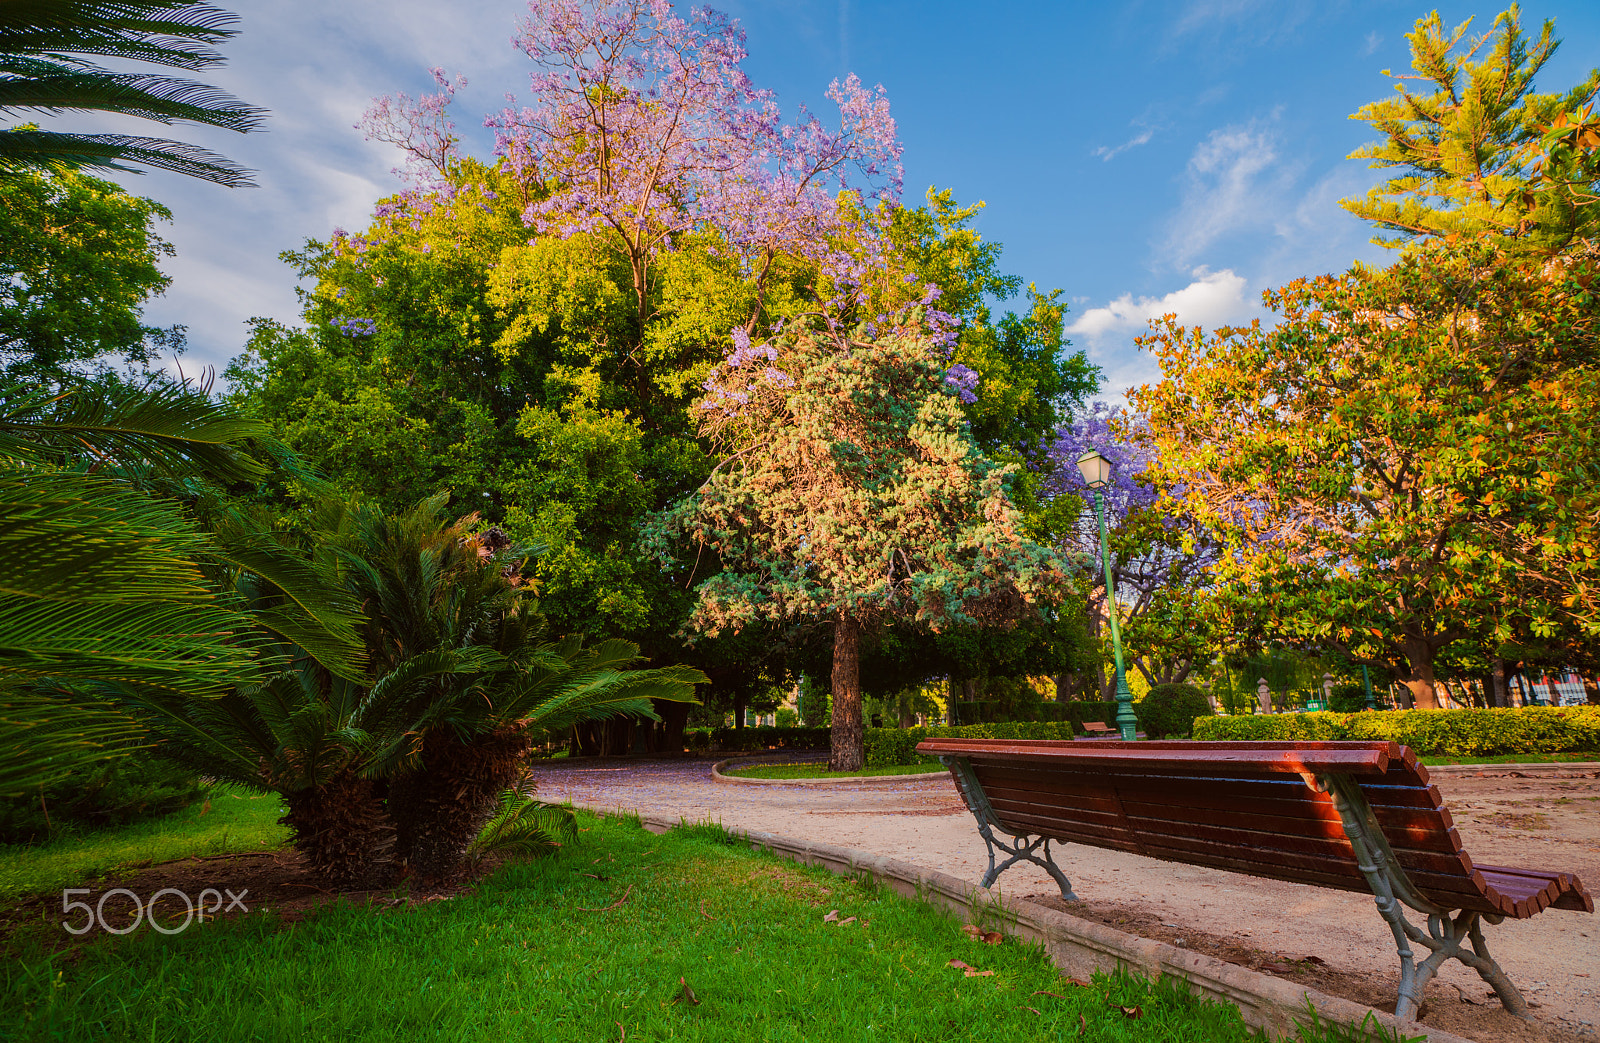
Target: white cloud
x,y
1108,153
1212,299
1233,181
1373,40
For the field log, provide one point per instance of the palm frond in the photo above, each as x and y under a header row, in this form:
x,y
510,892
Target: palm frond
x,y
172,428
163,32
524,828
54,88
45,737
43,150
291,595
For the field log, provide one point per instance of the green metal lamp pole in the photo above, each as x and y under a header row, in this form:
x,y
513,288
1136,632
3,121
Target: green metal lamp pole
x,y
1366,680
1097,473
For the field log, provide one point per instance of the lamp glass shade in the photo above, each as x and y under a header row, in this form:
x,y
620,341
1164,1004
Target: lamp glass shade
x,y
1096,469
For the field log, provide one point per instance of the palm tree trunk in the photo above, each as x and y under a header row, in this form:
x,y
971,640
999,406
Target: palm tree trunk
x,y
439,810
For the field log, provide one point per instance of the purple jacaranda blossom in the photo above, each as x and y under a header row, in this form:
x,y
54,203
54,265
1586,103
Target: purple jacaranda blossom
x,y
964,381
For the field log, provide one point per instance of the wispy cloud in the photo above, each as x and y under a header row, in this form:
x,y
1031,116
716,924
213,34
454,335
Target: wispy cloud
x,y
1250,21
1373,40
1109,153
1233,182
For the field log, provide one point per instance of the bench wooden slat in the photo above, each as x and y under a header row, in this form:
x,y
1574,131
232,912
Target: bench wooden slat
x,y
1248,804
1346,762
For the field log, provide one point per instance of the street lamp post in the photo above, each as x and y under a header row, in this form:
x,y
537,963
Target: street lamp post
x,y
1096,471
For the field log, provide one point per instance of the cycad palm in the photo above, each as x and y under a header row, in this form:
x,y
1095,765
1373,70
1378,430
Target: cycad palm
x,y
38,71
101,585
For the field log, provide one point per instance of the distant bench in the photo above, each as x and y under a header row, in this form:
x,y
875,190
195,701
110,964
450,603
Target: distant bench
x,y
1355,816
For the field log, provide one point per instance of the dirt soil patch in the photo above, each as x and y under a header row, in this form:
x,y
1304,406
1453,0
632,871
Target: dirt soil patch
x,y
268,881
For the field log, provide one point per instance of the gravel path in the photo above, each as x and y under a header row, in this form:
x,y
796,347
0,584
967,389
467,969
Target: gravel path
x,y
1547,821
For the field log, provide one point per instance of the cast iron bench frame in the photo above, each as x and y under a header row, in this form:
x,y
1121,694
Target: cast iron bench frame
x,y
1324,830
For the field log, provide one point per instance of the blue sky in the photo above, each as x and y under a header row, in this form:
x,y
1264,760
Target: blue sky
x,y
1144,157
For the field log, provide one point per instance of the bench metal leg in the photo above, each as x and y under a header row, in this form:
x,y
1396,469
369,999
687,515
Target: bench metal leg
x,y
1023,849
1446,937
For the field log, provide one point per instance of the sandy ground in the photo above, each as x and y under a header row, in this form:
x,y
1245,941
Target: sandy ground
x,y
1548,820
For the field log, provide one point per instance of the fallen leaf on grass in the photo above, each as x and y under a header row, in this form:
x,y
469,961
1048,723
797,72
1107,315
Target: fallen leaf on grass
x,y
703,912
831,917
1030,1008
1083,1024
687,995
848,920
592,876
972,930
613,905
969,970
993,938
1132,1012
622,1030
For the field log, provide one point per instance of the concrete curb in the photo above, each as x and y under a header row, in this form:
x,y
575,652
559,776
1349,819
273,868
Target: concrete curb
x,y
851,780
1079,947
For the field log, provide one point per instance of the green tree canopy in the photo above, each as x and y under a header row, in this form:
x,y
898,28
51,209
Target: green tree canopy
x,y
80,260
1404,462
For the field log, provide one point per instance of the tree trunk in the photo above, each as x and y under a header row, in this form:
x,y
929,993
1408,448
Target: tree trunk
x,y
1421,683
674,718
847,735
1497,682
341,829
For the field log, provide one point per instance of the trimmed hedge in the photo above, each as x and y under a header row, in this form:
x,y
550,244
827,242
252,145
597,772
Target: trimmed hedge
x,y
890,746
742,740
1434,733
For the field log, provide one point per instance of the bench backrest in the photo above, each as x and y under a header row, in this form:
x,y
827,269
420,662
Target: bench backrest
x,y
1252,807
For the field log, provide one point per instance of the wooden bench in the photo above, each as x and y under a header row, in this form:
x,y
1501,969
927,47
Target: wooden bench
x,y
1101,730
1356,816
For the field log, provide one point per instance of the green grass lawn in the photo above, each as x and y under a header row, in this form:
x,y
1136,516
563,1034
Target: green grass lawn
x,y
227,819
820,771
591,943
1515,758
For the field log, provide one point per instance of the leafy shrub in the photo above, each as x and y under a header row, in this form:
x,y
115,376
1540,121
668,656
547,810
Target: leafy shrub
x,y
1447,733
523,828
889,746
787,718
1170,710
113,793
1348,698
741,740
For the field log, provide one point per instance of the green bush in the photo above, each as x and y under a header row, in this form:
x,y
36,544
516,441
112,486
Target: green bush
x,y
742,740
114,793
1348,698
890,746
1433,733
1170,710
